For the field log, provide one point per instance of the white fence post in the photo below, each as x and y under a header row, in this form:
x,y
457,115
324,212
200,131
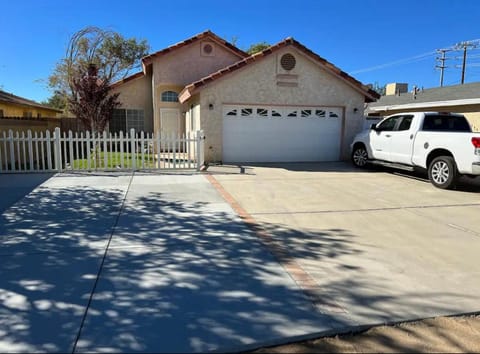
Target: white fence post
x,y
133,149
48,142
57,150
87,137
12,150
200,149
30,150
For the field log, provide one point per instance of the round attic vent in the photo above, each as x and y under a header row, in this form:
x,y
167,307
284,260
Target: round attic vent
x,y
287,61
207,48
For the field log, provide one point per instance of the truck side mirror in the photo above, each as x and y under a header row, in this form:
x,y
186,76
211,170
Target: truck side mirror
x,y
374,126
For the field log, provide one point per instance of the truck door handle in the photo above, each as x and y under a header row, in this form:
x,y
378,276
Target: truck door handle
x,y
411,136
388,135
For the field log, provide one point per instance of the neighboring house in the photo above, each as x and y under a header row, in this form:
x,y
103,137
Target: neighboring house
x,y
285,103
463,99
16,106
20,114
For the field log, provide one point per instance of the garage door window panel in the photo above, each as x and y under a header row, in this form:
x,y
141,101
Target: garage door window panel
x,y
247,112
232,112
262,112
320,113
292,114
306,113
276,113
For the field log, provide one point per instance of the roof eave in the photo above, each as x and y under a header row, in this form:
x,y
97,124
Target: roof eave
x,y
369,94
448,103
132,77
147,60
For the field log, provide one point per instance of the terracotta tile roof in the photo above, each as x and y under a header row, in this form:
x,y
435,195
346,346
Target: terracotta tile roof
x,y
13,99
127,79
370,95
207,34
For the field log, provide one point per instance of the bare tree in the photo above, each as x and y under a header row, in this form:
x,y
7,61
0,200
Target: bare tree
x,y
113,55
93,104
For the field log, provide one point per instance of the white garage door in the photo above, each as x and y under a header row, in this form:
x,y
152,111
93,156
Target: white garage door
x,y
281,134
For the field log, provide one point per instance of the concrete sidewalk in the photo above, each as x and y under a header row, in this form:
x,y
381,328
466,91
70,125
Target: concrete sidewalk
x,y
153,263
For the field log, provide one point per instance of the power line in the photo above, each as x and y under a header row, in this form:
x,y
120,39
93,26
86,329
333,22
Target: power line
x,y
396,62
465,46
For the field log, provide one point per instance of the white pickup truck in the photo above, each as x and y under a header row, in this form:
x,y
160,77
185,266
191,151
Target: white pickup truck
x,y
441,143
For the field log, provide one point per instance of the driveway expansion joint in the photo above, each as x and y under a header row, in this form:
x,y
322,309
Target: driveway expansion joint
x,y
90,299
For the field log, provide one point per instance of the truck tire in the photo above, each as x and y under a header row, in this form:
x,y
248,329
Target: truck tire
x,y
359,156
442,172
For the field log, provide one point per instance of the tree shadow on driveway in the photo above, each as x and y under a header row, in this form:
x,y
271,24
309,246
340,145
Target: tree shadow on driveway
x,y
14,187
179,275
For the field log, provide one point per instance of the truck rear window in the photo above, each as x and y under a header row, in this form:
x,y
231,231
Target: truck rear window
x,y
446,123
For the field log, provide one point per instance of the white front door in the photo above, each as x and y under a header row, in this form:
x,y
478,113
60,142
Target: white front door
x,y
170,120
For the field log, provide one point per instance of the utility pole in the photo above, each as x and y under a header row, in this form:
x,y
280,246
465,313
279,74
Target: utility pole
x,y
442,65
464,62
465,46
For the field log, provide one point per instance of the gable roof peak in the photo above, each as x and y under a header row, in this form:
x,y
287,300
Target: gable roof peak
x,y
369,94
147,60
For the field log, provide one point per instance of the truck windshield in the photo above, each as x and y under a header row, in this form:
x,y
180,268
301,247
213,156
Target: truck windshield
x,y
446,123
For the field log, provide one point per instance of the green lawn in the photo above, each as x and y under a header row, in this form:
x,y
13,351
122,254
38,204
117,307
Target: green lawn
x,y
113,161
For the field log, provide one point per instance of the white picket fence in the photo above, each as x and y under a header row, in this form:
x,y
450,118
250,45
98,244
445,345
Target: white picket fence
x,y
57,152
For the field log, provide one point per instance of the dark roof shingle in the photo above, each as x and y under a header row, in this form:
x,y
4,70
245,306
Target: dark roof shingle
x,y
437,94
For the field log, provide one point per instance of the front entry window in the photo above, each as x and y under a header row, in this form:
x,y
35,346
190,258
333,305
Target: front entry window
x,y
169,96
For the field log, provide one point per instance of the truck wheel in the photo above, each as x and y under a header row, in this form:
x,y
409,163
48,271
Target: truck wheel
x,y
442,172
359,156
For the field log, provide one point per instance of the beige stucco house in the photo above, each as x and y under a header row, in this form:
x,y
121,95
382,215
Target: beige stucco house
x,y
285,103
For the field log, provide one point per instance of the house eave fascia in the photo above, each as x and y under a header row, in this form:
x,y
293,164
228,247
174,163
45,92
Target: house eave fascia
x,y
449,103
184,95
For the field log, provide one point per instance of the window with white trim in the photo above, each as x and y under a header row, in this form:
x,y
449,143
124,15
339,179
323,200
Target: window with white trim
x,y
169,96
126,119
135,119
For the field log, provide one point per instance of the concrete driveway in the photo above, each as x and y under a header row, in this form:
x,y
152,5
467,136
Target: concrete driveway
x,y
374,246
164,263
143,263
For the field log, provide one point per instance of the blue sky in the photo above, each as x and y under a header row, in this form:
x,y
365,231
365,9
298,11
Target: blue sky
x,y
353,35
